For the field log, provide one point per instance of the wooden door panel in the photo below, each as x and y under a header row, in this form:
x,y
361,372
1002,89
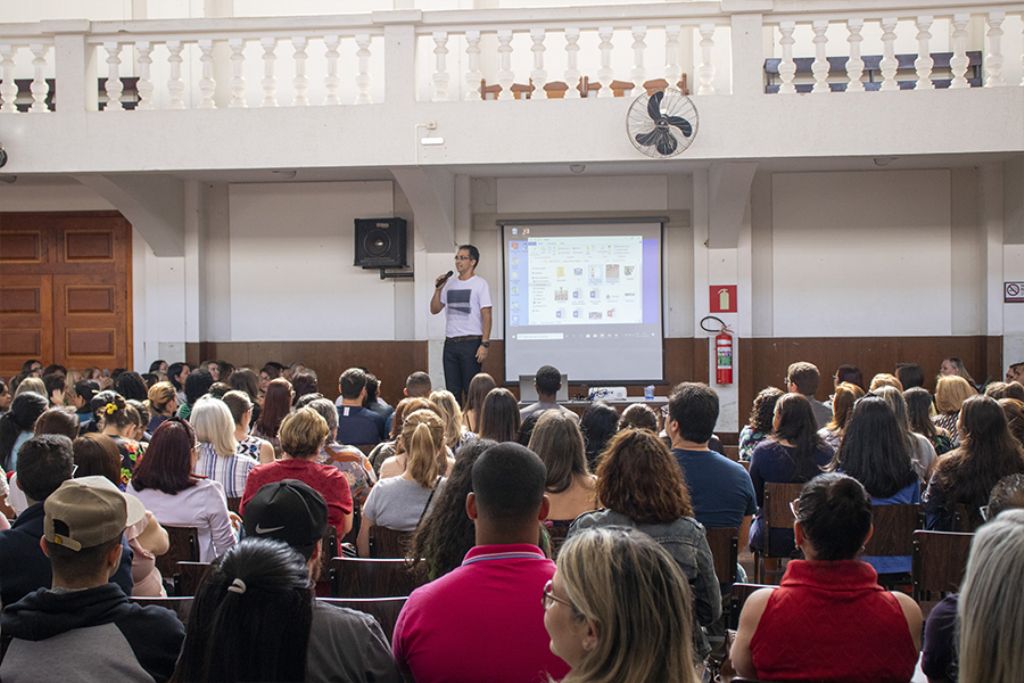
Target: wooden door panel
x,y
89,320
26,320
23,248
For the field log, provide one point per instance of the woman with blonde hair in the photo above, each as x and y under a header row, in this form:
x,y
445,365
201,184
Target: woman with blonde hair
x,y
396,464
991,603
610,630
219,459
386,450
884,379
570,487
950,393
954,367
400,502
842,406
455,433
163,403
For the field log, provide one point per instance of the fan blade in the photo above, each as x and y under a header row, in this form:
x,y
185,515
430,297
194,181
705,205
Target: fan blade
x,y
682,124
647,139
666,144
654,105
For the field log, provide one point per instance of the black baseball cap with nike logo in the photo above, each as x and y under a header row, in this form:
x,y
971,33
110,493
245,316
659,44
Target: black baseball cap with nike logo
x,y
288,510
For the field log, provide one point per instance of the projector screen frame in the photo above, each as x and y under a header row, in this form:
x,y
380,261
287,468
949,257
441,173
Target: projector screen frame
x,y
660,219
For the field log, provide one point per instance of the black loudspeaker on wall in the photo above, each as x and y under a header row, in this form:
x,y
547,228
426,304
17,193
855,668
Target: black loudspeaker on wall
x,y
380,242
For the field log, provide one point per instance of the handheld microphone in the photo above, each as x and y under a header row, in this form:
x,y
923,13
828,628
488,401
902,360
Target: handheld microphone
x,y
443,279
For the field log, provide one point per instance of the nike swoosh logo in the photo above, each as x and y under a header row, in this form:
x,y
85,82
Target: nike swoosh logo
x,y
267,530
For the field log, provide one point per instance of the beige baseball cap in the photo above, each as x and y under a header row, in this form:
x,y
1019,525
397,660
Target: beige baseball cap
x,y
88,511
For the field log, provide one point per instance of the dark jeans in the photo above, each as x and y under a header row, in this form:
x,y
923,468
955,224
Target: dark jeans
x,y
459,366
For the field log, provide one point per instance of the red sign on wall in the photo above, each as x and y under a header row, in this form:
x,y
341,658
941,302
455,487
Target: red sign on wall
x,y
723,298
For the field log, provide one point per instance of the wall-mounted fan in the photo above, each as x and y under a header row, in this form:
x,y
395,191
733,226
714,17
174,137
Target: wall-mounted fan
x,y
662,125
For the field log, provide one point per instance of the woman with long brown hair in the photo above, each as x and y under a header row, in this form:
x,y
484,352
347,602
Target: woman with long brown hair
x,y
842,406
570,486
640,485
500,418
276,405
479,387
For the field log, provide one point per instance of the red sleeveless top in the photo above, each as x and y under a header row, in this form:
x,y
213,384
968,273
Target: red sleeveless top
x,y
832,621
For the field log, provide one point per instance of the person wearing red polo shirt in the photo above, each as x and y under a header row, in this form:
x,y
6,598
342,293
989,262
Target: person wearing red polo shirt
x,y
484,621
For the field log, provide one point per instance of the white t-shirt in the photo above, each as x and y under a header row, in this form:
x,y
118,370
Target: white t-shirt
x,y
462,301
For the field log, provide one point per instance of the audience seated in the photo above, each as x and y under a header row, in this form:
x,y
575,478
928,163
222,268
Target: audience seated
x,y
47,461
598,424
803,378
343,644
910,375
5,397
241,408
1014,411
721,490
163,404
85,628
120,424
842,405
641,486
479,387
81,399
16,426
304,383
954,367
455,433
32,385
302,435
55,384
177,373
165,483
570,487
1015,373
52,421
277,403
759,424
829,619
417,384
988,453
875,452
950,393
218,458
990,606
131,386
197,384
446,534
547,381
356,424
349,460
884,379
919,409
483,621
639,416
247,381
609,629
387,449
499,419
922,453
400,501
373,400
794,454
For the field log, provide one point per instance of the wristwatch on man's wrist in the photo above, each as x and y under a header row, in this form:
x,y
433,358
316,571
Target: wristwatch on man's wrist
x,y
485,344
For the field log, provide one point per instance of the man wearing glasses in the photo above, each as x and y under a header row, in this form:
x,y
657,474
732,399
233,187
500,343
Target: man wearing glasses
x,y
466,301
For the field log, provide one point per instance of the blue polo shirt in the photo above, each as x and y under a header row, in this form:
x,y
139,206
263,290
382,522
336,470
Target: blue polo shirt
x,y
720,489
357,425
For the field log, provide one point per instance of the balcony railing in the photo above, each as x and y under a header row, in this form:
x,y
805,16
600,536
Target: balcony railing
x,y
746,47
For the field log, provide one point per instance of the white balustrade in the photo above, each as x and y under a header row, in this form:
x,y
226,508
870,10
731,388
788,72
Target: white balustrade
x,y
175,85
605,74
8,89
889,64
144,85
820,66
300,83
473,73
113,86
237,47
363,73
638,74
505,75
207,85
994,55
40,88
924,62
441,77
855,64
538,75
672,68
706,70
958,62
572,56
269,82
332,82
787,67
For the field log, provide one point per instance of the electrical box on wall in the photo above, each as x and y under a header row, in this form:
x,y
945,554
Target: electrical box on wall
x,y
380,242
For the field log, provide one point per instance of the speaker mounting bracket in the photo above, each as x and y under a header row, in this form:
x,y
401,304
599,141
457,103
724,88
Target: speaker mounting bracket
x,y
393,275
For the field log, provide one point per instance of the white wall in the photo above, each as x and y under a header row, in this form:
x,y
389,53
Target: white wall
x,y
292,249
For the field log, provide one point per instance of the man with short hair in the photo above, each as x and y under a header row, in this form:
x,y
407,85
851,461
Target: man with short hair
x,y
484,620
466,301
85,628
547,381
1015,373
417,385
44,463
356,424
343,644
720,489
910,375
802,378
56,384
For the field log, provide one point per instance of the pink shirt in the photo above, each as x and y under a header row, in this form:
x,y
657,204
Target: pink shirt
x,y
481,622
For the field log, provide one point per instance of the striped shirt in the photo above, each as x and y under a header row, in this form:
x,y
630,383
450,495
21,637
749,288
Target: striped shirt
x,y
231,471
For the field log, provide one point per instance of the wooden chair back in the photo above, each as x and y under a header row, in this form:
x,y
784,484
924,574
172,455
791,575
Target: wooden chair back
x,y
777,513
184,547
738,596
966,519
181,606
384,610
366,448
188,576
731,452
725,549
328,550
558,530
385,542
894,529
359,577
939,562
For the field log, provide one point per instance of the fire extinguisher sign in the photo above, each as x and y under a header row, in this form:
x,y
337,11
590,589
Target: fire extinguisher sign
x,y
723,298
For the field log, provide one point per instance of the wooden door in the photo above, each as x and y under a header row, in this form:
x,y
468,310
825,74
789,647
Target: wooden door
x,y
65,290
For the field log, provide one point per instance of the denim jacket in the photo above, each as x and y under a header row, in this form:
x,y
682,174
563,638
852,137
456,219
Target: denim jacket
x,y
687,543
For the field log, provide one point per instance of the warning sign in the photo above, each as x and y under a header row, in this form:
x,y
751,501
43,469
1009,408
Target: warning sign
x,y
1013,292
723,298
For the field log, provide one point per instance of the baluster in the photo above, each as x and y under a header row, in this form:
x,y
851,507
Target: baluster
x,y
113,86
175,86
40,88
505,75
958,62
269,82
639,74
473,74
207,85
888,63
820,65
924,62
605,73
144,86
363,74
572,54
441,76
8,89
787,67
994,56
300,83
538,75
672,70
332,82
854,65
237,100
706,70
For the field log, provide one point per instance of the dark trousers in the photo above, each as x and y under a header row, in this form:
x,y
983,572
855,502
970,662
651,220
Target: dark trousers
x,y
460,366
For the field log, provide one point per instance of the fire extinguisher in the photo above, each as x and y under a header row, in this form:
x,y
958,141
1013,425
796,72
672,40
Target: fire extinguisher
x,y
723,357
